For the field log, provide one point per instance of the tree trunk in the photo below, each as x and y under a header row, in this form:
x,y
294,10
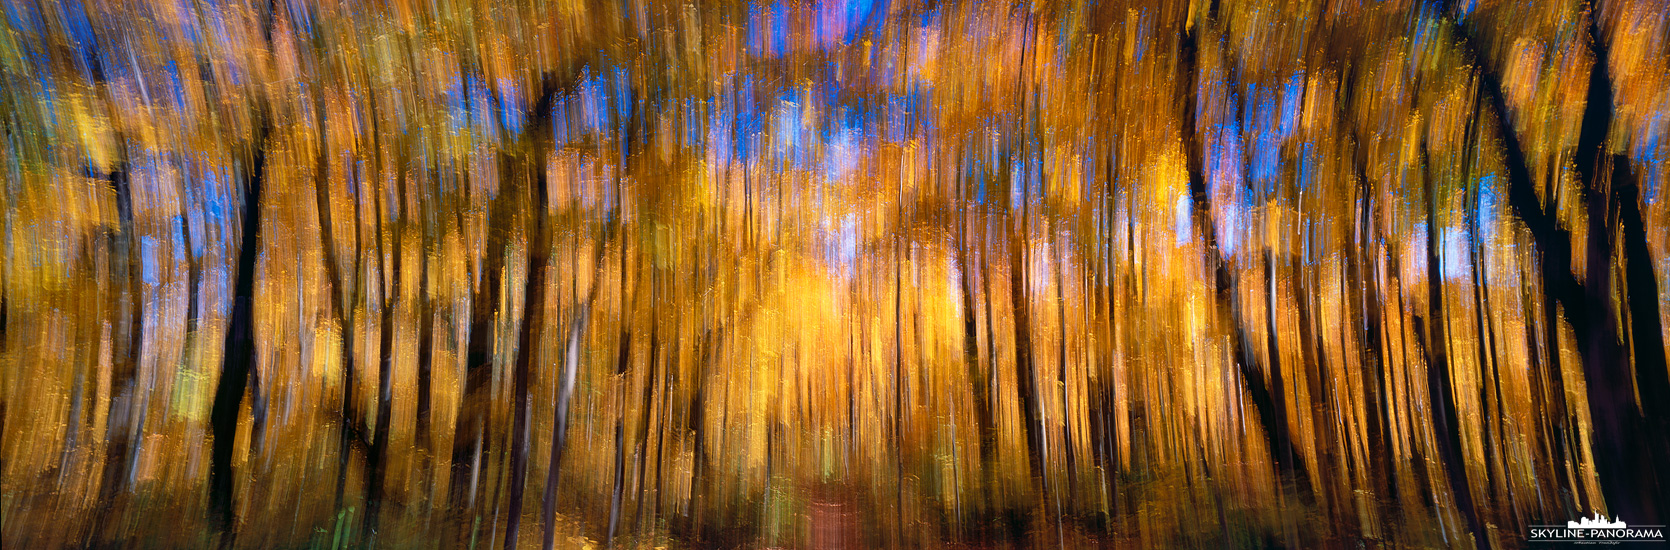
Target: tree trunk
x,y
378,459
1272,409
1622,457
238,363
351,437
1440,384
565,390
538,136
977,381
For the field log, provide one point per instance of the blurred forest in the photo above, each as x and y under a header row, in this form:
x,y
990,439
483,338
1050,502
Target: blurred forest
x,y
831,274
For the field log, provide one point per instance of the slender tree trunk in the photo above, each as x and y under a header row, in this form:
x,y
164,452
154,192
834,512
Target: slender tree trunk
x,y
696,414
1025,371
126,264
1323,402
565,389
128,326
1278,373
533,320
194,271
1490,395
646,400
577,329
1061,379
1109,385
470,442
1440,383
620,480
622,363
977,379
1368,301
664,402
378,460
534,165
424,435
1019,235
351,437
1270,405
238,363
898,386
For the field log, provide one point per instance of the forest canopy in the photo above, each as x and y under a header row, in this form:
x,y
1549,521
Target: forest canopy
x,y
831,274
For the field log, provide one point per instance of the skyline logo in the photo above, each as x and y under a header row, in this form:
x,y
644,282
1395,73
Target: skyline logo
x,y
1599,522
1597,530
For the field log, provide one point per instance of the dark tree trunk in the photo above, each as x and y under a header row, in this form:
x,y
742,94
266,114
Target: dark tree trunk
x,y
426,340
622,363
1272,409
1278,374
377,462
1490,395
971,355
646,400
1019,235
991,374
1320,388
1622,455
1553,247
899,385
577,328
1440,383
565,389
425,367
533,305
128,309
1628,459
1024,368
1108,393
620,480
125,263
470,443
351,437
1367,300
533,319
238,364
